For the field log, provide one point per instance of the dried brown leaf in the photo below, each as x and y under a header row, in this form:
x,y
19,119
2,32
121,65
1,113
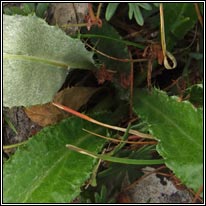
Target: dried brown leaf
x,y
47,114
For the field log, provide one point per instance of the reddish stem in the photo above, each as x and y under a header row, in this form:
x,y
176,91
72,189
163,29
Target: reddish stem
x,y
78,114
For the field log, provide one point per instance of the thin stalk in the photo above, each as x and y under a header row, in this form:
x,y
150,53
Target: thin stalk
x,y
131,86
114,58
85,117
166,54
128,43
14,145
10,124
118,140
115,159
99,10
199,14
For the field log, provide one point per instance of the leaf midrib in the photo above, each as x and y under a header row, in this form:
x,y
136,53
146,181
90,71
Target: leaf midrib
x,y
170,121
35,59
42,177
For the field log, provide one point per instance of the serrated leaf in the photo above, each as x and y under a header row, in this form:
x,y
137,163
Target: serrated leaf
x,y
45,171
36,60
178,126
195,93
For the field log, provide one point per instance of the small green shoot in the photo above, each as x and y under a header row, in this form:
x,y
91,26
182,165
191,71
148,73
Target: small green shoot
x,y
10,124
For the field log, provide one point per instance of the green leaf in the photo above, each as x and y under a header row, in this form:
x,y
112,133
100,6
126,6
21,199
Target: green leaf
x,y
45,171
28,8
113,176
145,6
36,60
102,197
178,126
130,10
41,8
143,153
134,9
114,49
138,16
111,47
13,10
156,4
184,19
111,8
195,93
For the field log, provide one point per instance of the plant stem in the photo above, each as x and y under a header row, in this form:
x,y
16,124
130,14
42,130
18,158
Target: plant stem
x,y
199,14
118,140
115,159
128,43
167,55
85,117
114,58
14,145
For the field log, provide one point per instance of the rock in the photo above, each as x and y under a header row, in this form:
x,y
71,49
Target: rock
x,y
152,189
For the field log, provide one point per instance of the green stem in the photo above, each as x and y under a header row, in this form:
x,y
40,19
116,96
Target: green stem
x,y
14,145
128,43
115,159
